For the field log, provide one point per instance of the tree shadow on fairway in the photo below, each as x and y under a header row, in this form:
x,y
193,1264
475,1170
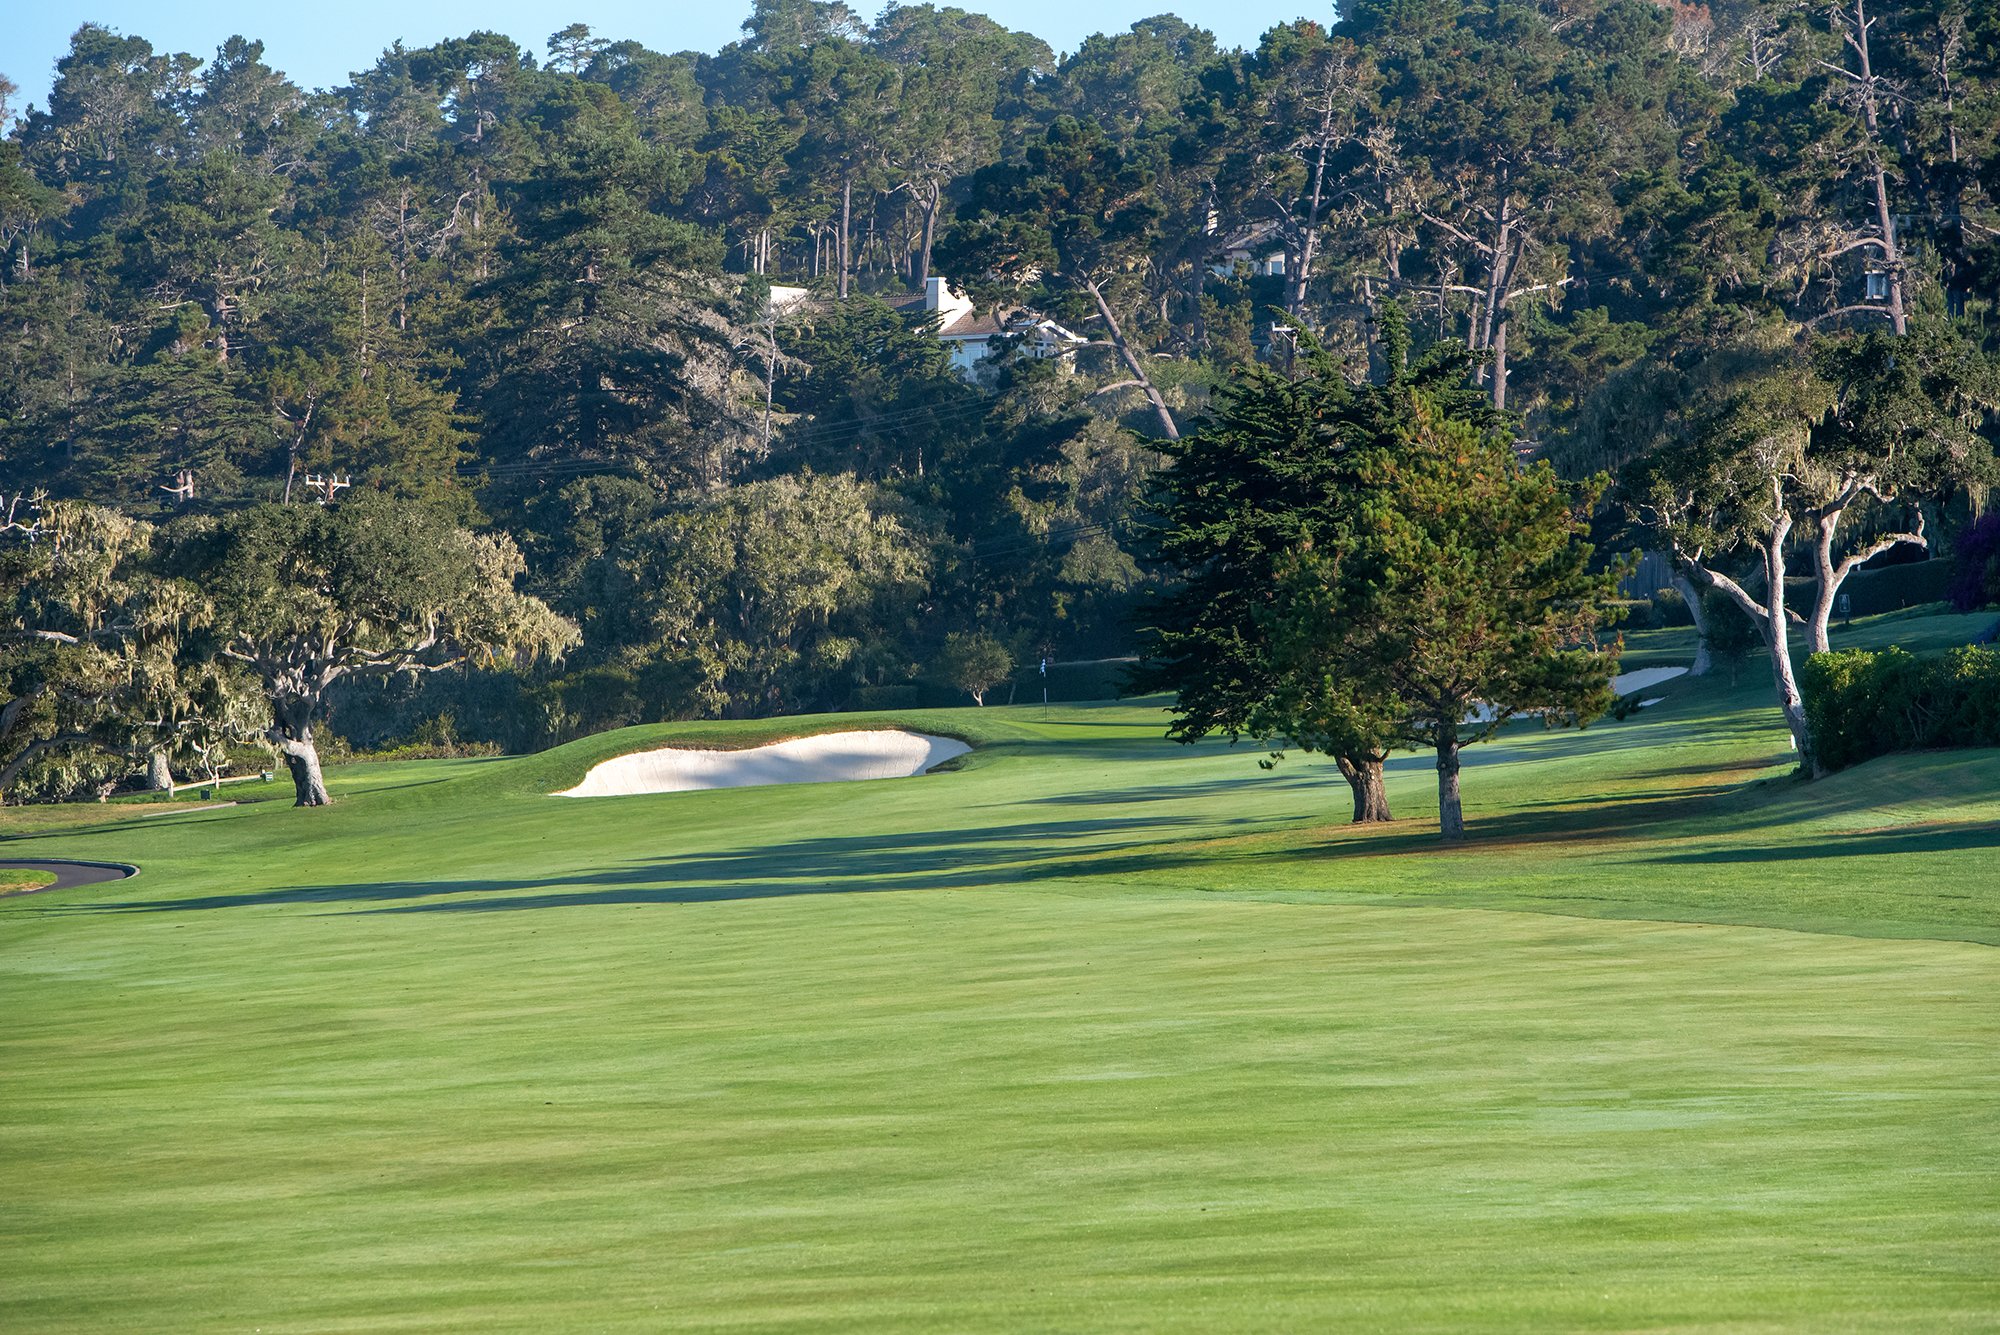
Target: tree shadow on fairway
x,y
1170,792
1555,822
848,864
1870,843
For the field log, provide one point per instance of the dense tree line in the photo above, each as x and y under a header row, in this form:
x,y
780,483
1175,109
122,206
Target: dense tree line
x,y
1741,255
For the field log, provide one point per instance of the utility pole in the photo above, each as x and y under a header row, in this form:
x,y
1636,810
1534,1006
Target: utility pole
x,y
327,485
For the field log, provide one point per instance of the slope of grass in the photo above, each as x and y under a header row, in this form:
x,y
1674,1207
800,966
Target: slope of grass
x,y
1095,1033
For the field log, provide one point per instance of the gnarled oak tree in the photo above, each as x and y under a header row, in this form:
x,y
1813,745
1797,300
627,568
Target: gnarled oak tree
x,y
307,595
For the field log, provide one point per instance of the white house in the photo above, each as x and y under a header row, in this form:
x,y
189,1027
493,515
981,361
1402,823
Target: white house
x,y
972,337
1043,340
1260,249
784,300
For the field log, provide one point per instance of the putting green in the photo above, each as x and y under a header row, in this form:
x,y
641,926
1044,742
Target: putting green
x,y
1095,1033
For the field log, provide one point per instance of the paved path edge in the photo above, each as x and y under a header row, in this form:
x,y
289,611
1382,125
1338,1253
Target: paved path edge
x,y
69,872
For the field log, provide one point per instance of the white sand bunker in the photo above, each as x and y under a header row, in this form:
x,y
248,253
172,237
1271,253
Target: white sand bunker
x,y
830,757
1623,684
1627,682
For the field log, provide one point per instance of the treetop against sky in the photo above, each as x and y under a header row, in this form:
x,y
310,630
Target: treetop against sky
x,y
318,46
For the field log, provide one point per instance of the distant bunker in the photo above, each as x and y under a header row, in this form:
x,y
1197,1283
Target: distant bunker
x,y
829,757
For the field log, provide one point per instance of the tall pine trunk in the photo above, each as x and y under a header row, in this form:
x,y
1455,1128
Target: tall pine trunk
x,y
1299,280
846,221
931,202
1885,218
1131,359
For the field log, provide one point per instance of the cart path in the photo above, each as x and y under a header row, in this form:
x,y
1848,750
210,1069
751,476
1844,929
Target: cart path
x,y
69,874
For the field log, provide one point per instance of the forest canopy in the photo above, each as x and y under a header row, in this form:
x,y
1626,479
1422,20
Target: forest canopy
x,y
655,323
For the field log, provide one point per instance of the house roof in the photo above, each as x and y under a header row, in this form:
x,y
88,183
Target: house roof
x,y
967,324
1028,321
971,325
1255,236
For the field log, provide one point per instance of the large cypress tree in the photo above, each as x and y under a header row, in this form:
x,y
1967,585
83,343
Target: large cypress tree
x,y
1272,473
1369,566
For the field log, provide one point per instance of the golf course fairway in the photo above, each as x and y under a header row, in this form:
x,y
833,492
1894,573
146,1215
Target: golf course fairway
x,y
1091,1033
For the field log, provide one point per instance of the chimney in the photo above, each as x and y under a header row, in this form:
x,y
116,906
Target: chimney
x,y
949,305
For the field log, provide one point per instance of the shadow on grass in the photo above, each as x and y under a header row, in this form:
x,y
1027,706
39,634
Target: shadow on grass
x,y
1111,846
1874,843
1171,792
1562,822
948,859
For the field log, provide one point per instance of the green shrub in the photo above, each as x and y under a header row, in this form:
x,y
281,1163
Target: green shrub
x,y
886,697
1975,566
1671,609
1732,635
1861,704
1639,613
1090,679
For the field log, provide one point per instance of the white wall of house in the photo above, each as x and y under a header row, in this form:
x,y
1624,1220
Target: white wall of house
x,y
967,353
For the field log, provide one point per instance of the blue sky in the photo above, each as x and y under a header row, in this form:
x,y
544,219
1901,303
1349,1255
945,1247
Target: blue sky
x,y
318,44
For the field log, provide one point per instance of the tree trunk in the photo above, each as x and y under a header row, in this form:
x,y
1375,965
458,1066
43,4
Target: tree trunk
x,y
930,204
770,370
159,774
846,218
1703,660
1777,639
1451,814
294,739
1297,282
302,759
1892,252
28,754
1789,701
1819,637
1833,574
1492,333
1885,220
1197,322
1131,360
1769,618
1364,775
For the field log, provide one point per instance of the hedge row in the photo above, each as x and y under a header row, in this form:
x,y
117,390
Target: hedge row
x,y
1888,589
1862,704
1068,683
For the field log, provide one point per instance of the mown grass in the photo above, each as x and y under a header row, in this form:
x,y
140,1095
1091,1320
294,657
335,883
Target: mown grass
x,y
1096,1032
